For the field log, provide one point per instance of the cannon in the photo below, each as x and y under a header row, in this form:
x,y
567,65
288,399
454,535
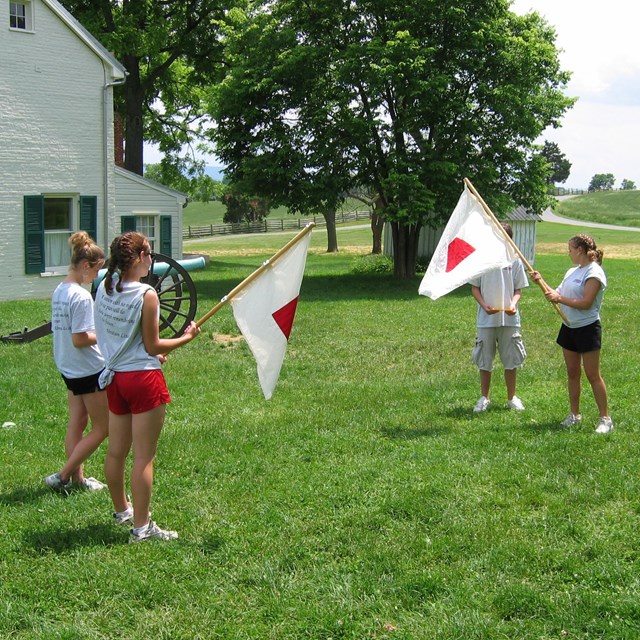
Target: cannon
x,y
176,293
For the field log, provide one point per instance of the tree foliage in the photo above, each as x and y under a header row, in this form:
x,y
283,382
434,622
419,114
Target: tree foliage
x,y
171,51
244,208
627,185
559,166
406,98
186,177
602,182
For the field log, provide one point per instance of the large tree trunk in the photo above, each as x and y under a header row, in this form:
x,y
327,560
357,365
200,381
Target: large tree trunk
x,y
134,131
377,225
405,248
332,233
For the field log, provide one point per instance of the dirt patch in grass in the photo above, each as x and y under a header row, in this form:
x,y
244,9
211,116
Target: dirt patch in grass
x,y
623,251
225,339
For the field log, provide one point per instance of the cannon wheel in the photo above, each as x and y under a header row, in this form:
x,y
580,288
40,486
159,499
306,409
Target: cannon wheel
x,y
176,293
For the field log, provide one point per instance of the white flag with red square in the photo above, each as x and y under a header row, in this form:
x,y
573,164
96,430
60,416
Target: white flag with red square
x,y
470,245
265,309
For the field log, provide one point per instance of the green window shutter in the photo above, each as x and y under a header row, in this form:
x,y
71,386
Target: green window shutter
x,y
127,223
34,234
89,215
165,235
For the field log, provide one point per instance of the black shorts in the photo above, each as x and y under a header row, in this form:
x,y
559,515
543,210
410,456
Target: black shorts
x,y
581,339
80,386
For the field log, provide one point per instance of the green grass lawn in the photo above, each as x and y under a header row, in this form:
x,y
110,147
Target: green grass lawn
x,y
365,500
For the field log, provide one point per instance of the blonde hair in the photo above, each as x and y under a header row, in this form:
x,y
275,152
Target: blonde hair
x,y
125,250
84,248
588,245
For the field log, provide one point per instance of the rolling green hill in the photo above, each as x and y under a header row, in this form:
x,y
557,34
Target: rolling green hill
x,y
608,207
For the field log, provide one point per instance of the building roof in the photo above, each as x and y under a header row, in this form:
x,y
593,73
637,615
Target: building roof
x,y
522,214
178,195
118,72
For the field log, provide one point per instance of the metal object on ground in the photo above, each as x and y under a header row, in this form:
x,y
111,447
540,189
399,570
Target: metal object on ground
x,y
176,293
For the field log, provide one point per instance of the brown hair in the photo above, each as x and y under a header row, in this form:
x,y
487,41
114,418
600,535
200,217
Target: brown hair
x,y
84,248
125,250
507,228
588,246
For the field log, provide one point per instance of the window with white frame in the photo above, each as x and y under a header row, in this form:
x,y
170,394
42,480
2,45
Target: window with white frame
x,y
147,224
58,226
21,15
156,227
49,220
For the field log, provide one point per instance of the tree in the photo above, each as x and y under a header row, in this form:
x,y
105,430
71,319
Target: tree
x,y
372,200
243,208
602,182
404,97
559,166
171,50
627,185
187,177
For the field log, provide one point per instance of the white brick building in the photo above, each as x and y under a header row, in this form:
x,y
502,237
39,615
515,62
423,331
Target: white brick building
x,y
57,169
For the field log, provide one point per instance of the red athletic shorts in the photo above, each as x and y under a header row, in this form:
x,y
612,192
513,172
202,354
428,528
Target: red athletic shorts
x,y
137,391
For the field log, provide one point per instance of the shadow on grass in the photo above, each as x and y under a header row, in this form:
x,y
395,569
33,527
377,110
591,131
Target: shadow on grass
x,y
64,540
23,495
537,427
341,286
413,433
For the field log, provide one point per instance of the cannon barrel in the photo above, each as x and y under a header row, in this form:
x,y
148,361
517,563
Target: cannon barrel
x,y
161,269
175,290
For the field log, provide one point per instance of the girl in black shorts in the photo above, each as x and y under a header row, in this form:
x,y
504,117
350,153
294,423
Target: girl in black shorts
x,y
580,298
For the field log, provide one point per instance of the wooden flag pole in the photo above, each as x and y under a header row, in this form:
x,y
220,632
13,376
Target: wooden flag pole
x,y
497,224
251,277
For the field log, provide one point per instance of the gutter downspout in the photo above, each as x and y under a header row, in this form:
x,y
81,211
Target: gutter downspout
x,y
105,145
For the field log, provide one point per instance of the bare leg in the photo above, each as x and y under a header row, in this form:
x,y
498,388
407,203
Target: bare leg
x,y
77,423
485,382
574,372
117,452
146,428
79,447
510,382
591,363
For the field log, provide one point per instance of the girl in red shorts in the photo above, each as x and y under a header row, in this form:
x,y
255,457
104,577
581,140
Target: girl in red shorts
x,y
126,317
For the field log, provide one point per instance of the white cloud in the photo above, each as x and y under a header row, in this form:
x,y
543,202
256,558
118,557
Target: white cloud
x,y
601,134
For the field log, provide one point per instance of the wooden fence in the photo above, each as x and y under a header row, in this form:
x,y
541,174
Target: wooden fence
x,y
268,225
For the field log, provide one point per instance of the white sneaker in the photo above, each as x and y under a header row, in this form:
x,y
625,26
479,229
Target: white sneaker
x,y
481,405
605,425
515,403
152,532
91,484
54,481
124,517
571,420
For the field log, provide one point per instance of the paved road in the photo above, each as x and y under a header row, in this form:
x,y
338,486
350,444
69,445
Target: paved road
x,y
549,216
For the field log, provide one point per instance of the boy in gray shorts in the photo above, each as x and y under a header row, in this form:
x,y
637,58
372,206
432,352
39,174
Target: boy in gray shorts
x,y
498,325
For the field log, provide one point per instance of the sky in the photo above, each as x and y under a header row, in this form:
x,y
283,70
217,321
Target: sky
x,y
601,133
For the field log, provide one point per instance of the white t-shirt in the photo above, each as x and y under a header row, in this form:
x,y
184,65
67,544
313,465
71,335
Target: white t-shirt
x,y
119,331
497,288
72,312
573,287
